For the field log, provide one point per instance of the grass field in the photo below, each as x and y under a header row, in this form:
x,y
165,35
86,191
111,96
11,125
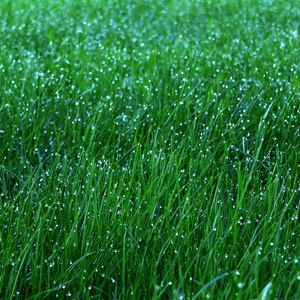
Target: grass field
x,y
150,149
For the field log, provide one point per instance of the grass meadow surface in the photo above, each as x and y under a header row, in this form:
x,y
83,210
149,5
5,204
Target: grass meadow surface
x,y
149,149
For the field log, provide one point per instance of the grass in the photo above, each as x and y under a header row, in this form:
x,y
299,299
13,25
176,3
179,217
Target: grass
x,y
149,149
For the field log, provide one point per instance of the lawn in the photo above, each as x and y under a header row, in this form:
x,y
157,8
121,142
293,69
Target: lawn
x,y
150,149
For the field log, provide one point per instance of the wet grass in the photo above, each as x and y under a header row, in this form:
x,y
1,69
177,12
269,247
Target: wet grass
x,y
149,149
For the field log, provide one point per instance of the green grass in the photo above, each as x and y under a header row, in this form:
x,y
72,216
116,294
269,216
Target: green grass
x,y
149,149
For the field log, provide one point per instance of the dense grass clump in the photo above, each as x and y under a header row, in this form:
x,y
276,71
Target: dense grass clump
x,y
149,149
